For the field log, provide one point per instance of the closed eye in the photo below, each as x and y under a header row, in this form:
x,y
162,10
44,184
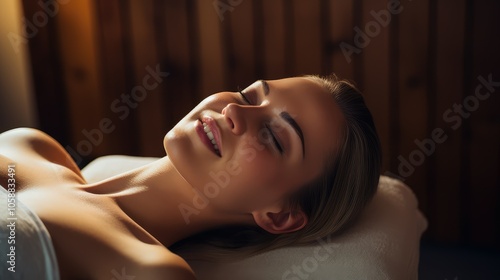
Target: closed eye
x,y
245,98
275,140
272,134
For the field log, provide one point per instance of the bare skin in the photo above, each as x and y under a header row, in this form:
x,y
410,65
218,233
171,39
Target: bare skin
x,y
128,221
91,234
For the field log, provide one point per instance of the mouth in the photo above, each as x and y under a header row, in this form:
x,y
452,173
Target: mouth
x,y
209,134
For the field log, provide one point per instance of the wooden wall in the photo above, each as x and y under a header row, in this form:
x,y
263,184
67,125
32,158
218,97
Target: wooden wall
x,y
412,69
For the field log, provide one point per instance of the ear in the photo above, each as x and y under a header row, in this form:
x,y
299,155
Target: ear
x,y
280,221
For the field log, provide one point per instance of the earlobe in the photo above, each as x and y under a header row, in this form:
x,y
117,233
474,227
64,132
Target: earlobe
x,y
281,222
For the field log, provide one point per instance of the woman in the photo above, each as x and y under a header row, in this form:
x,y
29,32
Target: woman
x,y
288,160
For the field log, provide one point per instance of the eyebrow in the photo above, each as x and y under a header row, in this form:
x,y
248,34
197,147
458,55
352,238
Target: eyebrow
x,y
287,118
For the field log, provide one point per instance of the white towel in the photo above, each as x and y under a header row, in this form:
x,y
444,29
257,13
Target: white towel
x,y
26,250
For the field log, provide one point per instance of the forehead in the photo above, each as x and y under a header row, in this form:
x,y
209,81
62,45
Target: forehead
x,y
316,112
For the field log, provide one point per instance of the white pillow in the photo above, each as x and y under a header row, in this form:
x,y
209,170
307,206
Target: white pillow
x,y
382,244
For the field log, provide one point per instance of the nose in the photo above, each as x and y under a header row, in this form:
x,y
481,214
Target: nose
x,y
238,117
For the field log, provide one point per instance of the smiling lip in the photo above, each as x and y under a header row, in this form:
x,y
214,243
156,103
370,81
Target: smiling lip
x,y
204,138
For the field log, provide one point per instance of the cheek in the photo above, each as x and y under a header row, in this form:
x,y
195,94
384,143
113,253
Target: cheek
x,y
255,159
258,182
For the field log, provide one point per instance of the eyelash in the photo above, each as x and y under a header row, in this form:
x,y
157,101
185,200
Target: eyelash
x,y
276,142
269,129
245,98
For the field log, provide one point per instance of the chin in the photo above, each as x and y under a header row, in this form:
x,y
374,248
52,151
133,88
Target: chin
x,y
176,154
182,153
174,146
165,141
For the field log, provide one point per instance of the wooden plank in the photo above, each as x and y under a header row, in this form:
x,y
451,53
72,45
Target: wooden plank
x,y
150,114
445,214
259,43
213,72
76,27
307,40
46,69
413,39
289,50
274,39
394,139
241,49
115,80
326,44
484,126
179,90
376,74
484,186
341,28
17,105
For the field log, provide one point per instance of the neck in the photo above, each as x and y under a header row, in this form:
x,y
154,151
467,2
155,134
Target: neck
x,y
162,202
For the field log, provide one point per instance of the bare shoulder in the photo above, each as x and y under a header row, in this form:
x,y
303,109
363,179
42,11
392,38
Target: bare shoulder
x,y
163,264
25,136
173,267
130,258
28,144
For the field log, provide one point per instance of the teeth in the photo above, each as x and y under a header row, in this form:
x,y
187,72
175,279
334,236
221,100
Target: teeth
x,y
210,135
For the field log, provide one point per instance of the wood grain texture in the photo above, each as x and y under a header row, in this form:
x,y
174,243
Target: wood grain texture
x,y
46,68
484,128
412,70
413,87
82,76
445,193
376,73
145,53
341,27
116,72
274,43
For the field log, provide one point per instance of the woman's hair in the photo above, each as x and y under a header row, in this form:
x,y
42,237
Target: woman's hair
x,y
331,202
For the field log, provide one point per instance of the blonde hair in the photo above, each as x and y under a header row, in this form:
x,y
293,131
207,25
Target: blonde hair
x,y
332,202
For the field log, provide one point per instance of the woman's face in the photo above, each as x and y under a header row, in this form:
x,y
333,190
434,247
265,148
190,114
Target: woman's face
x,y
269,142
